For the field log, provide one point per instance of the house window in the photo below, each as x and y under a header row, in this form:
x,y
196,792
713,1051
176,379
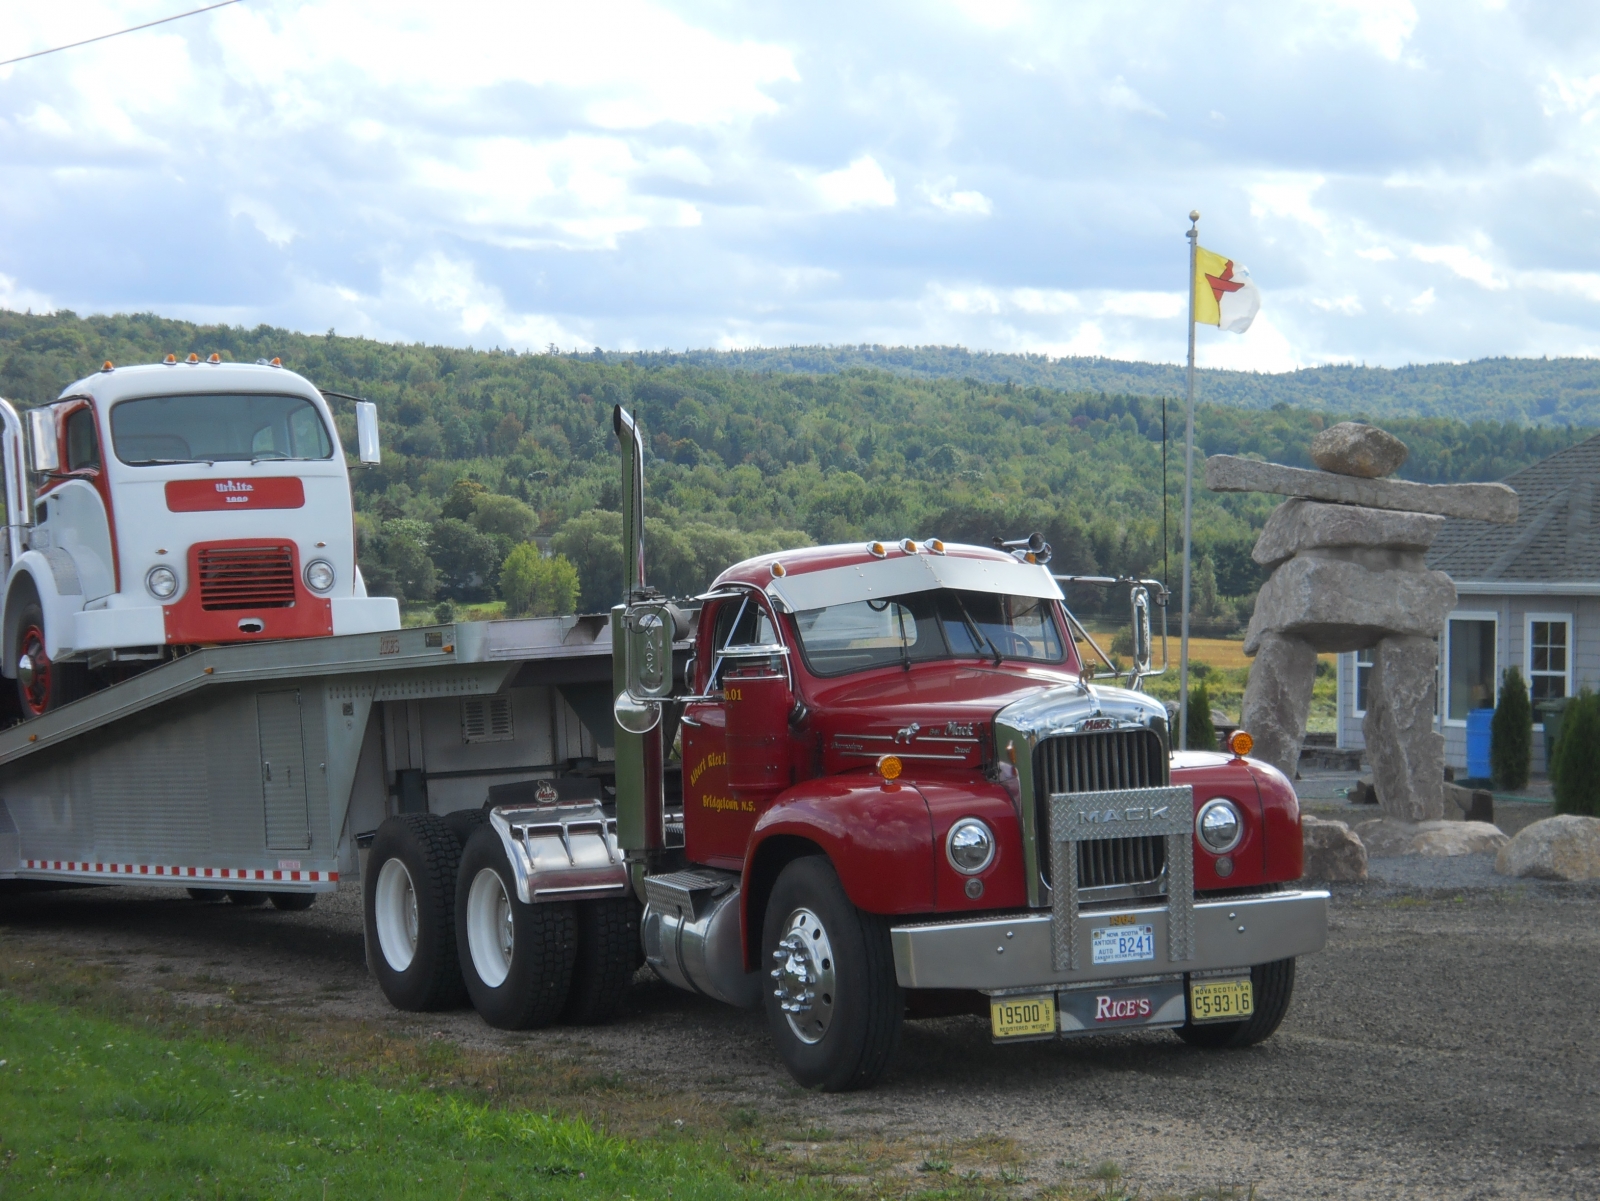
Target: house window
x,y
1470,679
1549,656
1363,677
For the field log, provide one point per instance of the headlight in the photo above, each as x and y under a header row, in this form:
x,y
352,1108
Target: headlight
x,y
319,575
162,582
1219,826
969,846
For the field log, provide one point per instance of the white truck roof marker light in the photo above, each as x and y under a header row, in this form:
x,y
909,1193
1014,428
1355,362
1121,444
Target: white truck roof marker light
x,y
193,358
108,367
171,360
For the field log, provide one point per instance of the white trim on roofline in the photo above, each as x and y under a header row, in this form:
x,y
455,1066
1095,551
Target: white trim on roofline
x,y
1528,587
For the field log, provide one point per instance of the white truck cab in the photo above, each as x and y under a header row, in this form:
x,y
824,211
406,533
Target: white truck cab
x,y
175,505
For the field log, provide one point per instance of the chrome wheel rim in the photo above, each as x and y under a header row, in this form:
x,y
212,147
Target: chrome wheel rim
x,y
804,976
394,904
491,930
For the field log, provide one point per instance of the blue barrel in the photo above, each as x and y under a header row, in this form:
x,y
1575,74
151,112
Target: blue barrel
x,y
1478,724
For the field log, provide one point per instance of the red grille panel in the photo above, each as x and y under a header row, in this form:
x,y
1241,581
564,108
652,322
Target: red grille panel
x,y
246,577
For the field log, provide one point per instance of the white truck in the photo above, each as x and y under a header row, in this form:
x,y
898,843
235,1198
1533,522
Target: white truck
x,y
153,509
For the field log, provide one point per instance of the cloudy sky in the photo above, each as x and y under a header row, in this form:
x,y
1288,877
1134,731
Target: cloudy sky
x,y
1407,182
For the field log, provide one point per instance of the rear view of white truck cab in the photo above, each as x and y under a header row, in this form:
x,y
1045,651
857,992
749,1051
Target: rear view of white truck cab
x,y
179,504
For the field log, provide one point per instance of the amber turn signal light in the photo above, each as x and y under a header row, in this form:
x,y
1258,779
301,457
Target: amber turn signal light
x,y
1240,743
890,767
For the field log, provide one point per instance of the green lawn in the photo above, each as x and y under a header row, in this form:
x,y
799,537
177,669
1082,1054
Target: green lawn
x,y
93,1108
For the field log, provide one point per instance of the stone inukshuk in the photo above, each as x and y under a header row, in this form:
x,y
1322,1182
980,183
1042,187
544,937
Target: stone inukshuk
x,y
1347,574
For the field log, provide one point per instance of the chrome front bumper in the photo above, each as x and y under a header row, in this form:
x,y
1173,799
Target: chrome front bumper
x,y
996,954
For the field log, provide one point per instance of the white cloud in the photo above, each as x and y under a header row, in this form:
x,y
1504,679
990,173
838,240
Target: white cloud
x,y
968,203
863,184
1348,306
1463,262
1422,301
265,218
1376,254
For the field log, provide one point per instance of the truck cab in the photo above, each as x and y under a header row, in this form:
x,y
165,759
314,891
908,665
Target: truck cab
x,y
172,506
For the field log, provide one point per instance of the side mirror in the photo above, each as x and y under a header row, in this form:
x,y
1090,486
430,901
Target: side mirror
x,y
367,432
1139,599
43,448
649,629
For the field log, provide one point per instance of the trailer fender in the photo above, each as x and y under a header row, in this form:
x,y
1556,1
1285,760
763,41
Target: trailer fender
x,y
878,836
53,577
562,852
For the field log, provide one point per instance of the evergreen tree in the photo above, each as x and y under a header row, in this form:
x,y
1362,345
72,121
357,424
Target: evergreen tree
x,y
1202,733
1511,733
1576,771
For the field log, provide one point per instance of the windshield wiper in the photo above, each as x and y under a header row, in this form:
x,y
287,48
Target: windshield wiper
x,y
905,655
974,628
277,454
168,462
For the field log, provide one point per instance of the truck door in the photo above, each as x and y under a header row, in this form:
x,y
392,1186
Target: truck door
x,y
717,816
283,770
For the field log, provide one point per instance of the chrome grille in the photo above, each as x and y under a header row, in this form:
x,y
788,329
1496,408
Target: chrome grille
x,y
1104,761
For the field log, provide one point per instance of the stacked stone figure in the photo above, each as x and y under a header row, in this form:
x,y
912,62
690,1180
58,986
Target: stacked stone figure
x,y
1346,554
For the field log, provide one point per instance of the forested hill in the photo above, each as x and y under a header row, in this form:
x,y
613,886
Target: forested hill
x,y
488,450
1528,391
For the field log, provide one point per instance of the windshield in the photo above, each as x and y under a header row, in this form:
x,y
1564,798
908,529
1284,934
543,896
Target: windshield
x,y
941,624
218,428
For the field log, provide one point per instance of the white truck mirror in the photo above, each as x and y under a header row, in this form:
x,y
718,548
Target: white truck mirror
x,y
42,445
367,432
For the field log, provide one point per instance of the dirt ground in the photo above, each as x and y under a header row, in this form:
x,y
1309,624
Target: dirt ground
x,y
1445,1045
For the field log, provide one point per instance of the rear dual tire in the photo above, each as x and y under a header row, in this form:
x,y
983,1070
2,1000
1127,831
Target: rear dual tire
x,y
409,903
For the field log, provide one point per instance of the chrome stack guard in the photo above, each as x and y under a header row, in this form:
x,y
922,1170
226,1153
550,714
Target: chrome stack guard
x,y
562,852
1130,813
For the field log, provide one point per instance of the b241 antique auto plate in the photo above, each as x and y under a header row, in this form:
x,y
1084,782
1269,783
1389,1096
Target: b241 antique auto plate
x,y
1123,944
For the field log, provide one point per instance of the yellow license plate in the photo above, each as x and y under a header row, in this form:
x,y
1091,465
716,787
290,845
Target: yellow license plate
x,y
1014,1017
1220,1000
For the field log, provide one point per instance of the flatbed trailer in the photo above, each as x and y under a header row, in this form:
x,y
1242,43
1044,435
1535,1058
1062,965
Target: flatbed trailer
x,y
258,767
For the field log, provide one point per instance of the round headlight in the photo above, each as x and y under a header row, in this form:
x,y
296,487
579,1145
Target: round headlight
x,y
1219,826
969,846
162,582
319,575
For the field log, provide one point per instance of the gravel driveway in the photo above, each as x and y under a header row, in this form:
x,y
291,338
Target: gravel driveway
x,y
1444,1045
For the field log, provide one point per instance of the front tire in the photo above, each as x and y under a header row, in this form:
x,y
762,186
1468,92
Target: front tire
x,y
49,685
516,959
833,1004
1273,986
409,899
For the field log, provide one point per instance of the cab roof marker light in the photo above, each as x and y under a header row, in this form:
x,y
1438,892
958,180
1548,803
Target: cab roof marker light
x,y
934,546
170,360
215,358
908,545
108,366
779,570
193,358
276,362
877,550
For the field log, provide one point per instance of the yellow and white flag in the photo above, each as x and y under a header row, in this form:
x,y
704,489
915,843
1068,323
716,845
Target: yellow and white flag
x,y
1224,295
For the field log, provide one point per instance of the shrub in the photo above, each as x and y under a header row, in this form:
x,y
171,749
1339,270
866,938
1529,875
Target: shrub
x,y
533,584
1511,733
1202,734
1576,772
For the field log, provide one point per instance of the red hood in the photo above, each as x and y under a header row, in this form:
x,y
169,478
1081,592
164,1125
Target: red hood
x,y
889,698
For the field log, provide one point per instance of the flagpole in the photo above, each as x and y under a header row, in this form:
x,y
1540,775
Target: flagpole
x,y
1188,494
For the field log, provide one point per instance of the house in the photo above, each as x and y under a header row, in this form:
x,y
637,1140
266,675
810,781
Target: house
x,y
1527,595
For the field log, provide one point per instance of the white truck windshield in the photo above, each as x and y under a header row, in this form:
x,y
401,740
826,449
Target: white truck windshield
x,y
218,428
939,624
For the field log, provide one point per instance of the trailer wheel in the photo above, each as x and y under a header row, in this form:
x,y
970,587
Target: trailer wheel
x,y
834,1006
409,898
516,959
48,685
245,898
207,896
1273,985
292,902
608,941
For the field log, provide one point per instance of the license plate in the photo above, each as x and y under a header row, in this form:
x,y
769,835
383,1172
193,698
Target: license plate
x,y
1015,1017
1124,944
1220,1000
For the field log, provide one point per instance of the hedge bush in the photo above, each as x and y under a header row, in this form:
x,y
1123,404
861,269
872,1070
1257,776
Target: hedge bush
x,y
1511,733
1202,734
1576,771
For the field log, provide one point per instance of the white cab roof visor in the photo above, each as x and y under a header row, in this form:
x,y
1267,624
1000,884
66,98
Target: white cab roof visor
x,y
910,573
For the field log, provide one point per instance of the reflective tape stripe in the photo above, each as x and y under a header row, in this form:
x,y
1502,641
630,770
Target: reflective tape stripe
x,y
71,867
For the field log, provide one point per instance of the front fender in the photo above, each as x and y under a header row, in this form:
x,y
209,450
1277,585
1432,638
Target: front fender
x,y
60,596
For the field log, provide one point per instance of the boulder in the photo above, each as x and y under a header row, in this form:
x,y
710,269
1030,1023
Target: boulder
x,y
1386,838
1277,700
1355,448
1333,850
1473,502
1474,804
1558,848
1406,753
1298,525
1337,605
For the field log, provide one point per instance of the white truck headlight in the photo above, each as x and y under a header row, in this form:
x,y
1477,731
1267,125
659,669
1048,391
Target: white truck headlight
x,y
319,575
969,846
162,582
1219,825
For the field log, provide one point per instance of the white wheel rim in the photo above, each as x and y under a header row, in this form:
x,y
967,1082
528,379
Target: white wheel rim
x,y
804,976
491,932
394,903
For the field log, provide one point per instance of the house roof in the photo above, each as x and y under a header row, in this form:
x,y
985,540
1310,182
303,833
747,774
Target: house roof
x,y
1556,537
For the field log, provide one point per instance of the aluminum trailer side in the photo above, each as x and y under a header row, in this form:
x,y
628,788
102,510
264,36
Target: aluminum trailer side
x,y
255,767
